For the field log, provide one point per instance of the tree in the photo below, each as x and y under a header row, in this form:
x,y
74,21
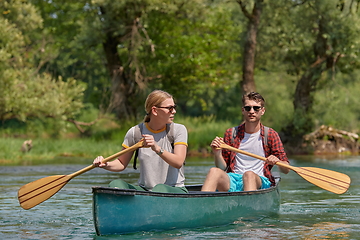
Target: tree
x,y
312,39
196,54
141,45
25,93
248,65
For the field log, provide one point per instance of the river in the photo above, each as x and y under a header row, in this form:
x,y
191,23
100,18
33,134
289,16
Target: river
x,y
306,211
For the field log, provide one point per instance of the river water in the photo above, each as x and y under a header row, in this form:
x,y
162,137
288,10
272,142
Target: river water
x,y
306,211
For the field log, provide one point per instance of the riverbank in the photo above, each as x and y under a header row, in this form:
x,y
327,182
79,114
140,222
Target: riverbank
x,y
104,138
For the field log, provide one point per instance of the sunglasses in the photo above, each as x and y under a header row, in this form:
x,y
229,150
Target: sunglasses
x,y
256,108
170,108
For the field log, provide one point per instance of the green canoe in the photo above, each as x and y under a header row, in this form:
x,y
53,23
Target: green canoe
x,y
118,211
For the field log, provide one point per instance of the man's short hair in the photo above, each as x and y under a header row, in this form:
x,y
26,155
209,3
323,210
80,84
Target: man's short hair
x,y
254,96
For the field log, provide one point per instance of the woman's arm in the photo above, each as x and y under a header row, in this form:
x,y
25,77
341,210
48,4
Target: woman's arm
x,y
117,165
175,159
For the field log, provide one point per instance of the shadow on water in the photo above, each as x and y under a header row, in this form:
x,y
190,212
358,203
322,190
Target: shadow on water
x,y
306,211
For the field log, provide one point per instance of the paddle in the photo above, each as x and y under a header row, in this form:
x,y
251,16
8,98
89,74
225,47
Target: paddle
x,y
329,180
40,190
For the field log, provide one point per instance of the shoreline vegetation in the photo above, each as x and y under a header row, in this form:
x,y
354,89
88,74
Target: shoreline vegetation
x,y
104,138
24,147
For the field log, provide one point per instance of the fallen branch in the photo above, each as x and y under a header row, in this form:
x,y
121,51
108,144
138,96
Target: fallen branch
x,y
78,124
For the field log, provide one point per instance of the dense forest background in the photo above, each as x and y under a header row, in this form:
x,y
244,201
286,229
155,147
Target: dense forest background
x,y
90,64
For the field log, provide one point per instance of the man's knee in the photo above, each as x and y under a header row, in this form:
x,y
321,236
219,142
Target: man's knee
x,y
215,172
249,175
251,179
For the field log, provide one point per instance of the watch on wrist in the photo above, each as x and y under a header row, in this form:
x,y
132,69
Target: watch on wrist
x,y
161,151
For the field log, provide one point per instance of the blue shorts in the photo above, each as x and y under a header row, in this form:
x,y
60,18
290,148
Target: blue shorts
x,y
236,182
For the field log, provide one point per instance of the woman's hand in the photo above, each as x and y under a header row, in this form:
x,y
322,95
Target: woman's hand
x,y
150,142
98,162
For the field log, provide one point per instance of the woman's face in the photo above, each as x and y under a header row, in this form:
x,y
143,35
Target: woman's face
x,y
166,110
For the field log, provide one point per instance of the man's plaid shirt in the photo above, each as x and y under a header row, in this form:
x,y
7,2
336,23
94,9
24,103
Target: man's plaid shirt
x,y
274,147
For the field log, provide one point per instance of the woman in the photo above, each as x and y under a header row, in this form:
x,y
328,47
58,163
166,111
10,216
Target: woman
x,y
161,161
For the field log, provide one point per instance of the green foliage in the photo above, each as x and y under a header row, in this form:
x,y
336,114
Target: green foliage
x,y
55,150
38,96
187,45
194,53
69,50
337,104
202,130
106,139
24,92
293,38
312,39
277,89
190,48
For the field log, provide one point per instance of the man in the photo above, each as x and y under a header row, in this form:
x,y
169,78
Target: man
x,y
246,173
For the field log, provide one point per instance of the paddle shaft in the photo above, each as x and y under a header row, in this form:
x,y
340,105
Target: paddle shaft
x,y
327,179
36,192
223,145
132,148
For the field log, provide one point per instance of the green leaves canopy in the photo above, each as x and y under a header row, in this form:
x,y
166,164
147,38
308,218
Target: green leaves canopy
x,y
24,92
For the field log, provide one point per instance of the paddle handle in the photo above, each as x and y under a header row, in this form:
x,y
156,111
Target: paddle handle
x,y
88,168
225,146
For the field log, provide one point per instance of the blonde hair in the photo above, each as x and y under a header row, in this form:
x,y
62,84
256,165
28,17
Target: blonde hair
x,y
155,98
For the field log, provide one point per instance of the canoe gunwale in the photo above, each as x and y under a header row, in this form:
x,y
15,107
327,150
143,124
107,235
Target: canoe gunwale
x,y
121,211
191,194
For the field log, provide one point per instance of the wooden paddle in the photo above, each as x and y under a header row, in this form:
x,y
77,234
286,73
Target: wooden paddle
x,y
329,180
40,190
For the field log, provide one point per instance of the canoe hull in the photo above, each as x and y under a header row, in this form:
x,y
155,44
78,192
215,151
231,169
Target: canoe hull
x,y
118,211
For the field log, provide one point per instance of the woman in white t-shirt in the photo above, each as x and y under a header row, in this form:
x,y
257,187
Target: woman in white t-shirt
x,y
161,161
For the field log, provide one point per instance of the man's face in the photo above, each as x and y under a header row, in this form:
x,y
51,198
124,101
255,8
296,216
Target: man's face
x,y
252,111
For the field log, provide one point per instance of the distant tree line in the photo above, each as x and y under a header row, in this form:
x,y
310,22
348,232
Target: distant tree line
x,y
58,56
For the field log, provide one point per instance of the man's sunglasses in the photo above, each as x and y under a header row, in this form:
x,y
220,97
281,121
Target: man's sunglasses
x,y
256,108
170,108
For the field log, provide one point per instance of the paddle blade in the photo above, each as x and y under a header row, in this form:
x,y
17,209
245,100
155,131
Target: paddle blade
x,y
329,180
40,190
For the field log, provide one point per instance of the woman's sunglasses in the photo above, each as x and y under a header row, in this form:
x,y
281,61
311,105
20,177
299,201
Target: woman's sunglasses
x,y
170,108
256,108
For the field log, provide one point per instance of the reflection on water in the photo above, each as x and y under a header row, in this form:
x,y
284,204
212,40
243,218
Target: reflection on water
x,y
326,230
306,211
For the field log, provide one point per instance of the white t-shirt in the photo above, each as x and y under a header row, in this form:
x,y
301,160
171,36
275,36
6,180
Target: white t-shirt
x,y
153,169
251,143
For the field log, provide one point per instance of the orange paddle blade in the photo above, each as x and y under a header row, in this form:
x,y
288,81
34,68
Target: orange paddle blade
x,y
40,190
327,179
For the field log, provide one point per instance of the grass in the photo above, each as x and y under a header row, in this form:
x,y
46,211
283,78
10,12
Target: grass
x,y
202,130
48,150
103,140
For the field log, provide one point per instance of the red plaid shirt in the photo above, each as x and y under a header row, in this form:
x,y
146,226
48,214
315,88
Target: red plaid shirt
x,y
273,147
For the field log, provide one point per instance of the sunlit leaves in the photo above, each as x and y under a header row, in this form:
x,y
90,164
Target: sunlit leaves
x,y
196,51
25,93
28,95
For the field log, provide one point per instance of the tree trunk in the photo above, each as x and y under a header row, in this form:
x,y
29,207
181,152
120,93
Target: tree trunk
x,y
248,82
120,89
303,118
303,121
124,101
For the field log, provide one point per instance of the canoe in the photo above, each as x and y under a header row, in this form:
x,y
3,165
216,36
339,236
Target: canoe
x,y
119,211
